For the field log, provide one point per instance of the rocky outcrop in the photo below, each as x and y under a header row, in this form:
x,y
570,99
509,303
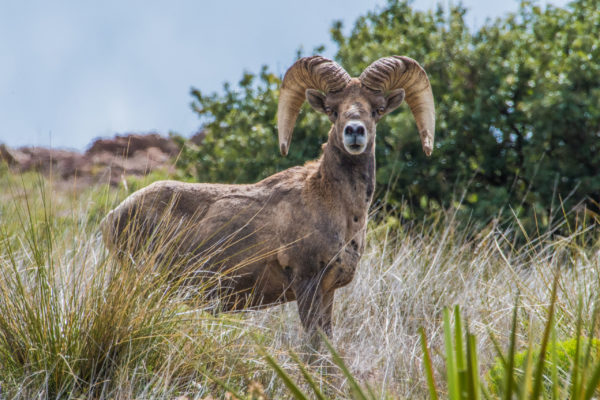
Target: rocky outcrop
x,y
7,155
198,137
129,145
106,160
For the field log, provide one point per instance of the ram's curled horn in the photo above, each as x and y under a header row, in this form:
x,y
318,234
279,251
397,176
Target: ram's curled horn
x,y
395,72
314,72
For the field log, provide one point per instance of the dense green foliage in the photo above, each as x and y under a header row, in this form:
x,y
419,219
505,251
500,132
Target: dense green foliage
x,y
241,139
518,116
517,105
565,354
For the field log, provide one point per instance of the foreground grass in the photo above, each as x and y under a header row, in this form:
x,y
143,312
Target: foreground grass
x,y
76,323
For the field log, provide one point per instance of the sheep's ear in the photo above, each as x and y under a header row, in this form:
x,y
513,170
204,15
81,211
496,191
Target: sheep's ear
x,y
394,99
316,100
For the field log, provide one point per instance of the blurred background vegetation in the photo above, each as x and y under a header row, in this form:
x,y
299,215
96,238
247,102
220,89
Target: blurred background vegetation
x,y
518,115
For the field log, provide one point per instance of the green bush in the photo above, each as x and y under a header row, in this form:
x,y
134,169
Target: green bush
x,y
516,102
565,357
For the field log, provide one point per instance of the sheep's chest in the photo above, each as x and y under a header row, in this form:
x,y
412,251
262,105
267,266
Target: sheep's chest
x,y
323,229
347,246
331,250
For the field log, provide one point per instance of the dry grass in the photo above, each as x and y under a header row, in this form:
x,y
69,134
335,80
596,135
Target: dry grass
x,y
78,324
407,277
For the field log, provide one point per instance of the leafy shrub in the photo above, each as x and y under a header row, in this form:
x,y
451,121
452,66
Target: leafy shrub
x,y
516,102
565,353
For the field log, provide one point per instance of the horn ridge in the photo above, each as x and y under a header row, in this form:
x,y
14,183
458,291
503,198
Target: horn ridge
x,y
315,72
395,72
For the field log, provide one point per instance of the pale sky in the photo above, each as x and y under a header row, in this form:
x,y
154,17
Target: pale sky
x,y
71,71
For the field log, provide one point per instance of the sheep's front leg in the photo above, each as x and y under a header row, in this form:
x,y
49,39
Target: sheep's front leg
x,y
315,307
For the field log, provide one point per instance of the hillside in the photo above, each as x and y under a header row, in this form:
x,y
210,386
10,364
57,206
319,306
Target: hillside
x,y
106,160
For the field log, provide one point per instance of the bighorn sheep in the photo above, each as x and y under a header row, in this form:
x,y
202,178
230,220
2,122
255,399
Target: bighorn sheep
x,y
298,234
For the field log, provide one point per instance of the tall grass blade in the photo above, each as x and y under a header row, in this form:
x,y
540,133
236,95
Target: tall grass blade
x,y
459,351
354,385
474,383
593,384
308,377
528,372
287,380
539,372
225,386
451,371
509,377
576,377
428,366
554,364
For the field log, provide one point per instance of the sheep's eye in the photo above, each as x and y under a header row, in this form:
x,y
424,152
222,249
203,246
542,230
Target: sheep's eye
x,y
380,110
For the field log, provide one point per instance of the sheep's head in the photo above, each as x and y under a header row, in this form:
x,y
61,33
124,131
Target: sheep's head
x,y
354,111
355,105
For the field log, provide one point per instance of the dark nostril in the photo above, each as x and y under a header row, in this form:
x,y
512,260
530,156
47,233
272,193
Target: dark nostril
x,y
354,129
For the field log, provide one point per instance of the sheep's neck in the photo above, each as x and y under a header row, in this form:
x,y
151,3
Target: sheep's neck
x,y
348,179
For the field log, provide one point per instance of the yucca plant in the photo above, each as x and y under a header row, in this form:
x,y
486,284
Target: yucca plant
x,y
462,366
531,374
526,375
